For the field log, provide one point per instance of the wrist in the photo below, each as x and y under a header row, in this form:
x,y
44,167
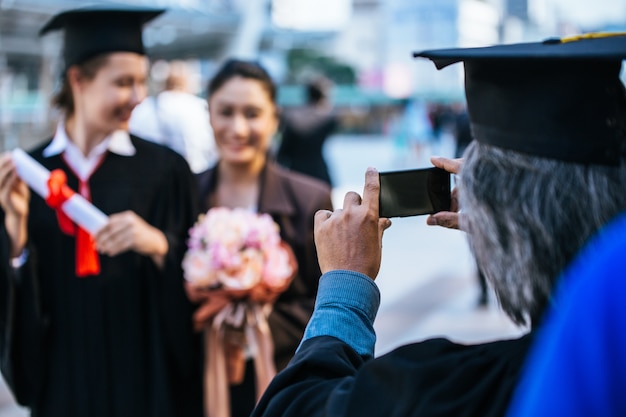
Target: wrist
x,y
161,246
17,229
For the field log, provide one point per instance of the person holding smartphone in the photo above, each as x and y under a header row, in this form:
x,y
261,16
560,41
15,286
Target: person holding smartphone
x,y
545,173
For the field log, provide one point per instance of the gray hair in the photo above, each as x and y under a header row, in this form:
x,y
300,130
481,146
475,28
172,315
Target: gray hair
x,y
526,217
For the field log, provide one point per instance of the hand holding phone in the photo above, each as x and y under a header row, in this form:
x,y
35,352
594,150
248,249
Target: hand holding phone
x,y
414,192
449,219
357,221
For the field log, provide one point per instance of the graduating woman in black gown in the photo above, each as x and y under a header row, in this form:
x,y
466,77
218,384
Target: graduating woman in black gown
x,y
117,340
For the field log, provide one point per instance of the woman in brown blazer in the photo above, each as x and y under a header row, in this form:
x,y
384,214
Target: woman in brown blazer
x,y
244,118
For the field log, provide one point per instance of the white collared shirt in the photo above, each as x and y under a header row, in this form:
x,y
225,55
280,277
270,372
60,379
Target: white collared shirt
x,y
83,166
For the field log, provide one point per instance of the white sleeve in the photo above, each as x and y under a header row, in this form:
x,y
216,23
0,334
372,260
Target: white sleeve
x,y
144,122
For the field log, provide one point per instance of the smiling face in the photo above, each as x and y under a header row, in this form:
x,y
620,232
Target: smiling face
x,y
243,118
104,101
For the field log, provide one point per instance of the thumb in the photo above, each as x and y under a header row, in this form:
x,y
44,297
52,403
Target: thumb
x,y
383,224
445,219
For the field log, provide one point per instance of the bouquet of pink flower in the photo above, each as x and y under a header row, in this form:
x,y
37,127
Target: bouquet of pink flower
x,y
235,267
236,250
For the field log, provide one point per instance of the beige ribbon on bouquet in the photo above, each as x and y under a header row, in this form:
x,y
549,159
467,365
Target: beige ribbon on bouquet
x,y
253,318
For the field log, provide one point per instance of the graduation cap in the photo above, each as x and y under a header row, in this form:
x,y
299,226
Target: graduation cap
x,y
560,99
93,30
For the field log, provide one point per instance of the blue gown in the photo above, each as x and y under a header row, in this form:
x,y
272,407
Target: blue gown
x,y
578,365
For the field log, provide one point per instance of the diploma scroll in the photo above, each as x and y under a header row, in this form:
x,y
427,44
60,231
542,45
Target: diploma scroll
x,y
77,208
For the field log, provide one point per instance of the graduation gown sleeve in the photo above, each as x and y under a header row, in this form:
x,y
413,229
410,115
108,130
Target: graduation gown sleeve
x,y
334,377
22,326
176,212
577,366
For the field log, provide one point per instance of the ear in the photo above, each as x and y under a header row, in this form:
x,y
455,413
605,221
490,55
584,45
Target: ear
x,y
75,77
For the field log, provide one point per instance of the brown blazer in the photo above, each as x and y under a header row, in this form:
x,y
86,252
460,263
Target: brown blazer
x,y
292,200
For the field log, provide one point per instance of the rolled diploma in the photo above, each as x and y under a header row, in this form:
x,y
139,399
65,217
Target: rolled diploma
x,y
77,208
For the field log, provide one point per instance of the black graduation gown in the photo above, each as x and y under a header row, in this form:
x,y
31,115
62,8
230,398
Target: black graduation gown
x,y
432,378
121,343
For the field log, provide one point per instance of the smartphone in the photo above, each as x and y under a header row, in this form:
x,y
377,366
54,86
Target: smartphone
x,y
414,192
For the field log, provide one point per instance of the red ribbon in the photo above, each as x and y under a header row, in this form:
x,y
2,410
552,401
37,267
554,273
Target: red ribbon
x,y
87,260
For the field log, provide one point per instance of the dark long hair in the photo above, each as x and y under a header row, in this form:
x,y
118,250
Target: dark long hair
x,y
244,69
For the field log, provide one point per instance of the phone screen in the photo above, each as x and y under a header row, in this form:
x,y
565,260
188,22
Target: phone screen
x,y
414,192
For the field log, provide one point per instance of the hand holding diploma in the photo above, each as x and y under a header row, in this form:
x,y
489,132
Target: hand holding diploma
x,y
14,199
75,206
76,215
72,209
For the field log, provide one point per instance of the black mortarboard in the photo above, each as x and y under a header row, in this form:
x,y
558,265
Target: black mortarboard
x,y
561,98
93,30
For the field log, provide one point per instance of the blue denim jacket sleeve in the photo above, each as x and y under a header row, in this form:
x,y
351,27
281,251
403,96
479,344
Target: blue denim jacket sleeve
x,y
345,308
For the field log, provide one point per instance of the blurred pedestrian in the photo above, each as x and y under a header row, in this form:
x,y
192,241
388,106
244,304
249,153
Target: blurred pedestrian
x,y
305,130
112,336
178,119
413,128
244,117
461,129
545,173
441,117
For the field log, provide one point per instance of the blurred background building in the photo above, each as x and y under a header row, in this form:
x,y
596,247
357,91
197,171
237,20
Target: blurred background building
x,y
363,46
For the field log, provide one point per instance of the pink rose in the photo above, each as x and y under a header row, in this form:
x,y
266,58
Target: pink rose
x,y
246,275
277,268
197,268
